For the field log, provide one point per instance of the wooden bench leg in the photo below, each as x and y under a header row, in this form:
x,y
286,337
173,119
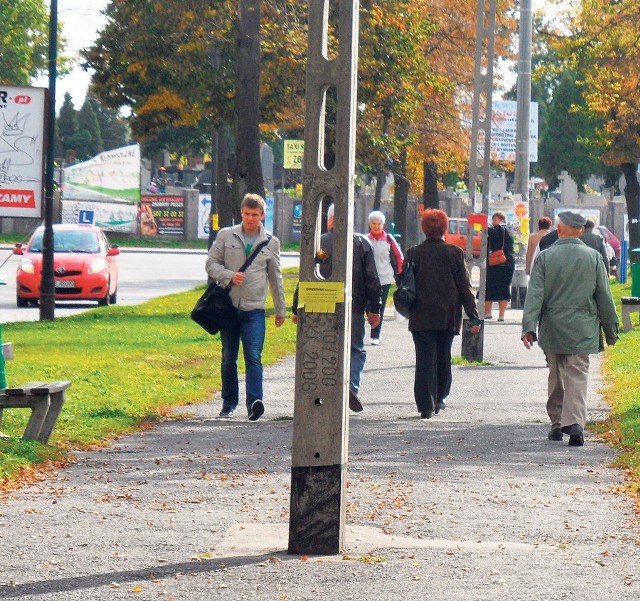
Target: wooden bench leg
x,y
36,421
626,318
55,406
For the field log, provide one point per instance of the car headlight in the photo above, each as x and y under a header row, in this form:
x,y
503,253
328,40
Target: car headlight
x,y
26,265
97,266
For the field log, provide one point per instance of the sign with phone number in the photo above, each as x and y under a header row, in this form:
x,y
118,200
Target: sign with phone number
x,y
164,214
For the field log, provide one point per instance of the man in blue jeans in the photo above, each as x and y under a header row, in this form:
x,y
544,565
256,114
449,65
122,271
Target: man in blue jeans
x,y
228,253
366,296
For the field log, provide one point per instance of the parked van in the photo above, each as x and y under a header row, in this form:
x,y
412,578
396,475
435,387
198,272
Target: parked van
x,y
457,235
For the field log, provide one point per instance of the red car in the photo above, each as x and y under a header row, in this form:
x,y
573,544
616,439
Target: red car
x,y
84,266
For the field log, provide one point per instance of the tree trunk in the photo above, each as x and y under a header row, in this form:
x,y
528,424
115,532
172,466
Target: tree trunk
x,y
430,198
247,175
381,176
228,210
401,196
632,196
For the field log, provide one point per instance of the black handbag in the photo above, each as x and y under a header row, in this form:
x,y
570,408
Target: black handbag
x,y
405,295
214,308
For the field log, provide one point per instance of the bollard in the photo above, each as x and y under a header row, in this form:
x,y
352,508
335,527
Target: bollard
x,y
518,289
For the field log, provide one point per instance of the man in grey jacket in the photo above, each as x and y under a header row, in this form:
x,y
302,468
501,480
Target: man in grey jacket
x,y
568,300
232,247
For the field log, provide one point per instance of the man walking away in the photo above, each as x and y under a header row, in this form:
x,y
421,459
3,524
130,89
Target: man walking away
x,y
567,301
595,241
231,249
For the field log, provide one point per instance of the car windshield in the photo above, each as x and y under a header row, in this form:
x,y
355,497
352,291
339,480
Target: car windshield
x,y
69,242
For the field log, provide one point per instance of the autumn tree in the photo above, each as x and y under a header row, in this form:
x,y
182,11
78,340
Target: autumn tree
x,y
604,50
415,80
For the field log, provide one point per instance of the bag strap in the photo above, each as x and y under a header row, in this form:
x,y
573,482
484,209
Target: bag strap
x,y
254,253
504,235
251,257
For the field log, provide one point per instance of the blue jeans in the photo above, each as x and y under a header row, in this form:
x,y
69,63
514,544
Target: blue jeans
x,y
250,328
358,354
375,332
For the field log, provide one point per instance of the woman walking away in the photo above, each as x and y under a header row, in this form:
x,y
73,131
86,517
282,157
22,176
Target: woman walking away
x,y
442,290
499,276
388,257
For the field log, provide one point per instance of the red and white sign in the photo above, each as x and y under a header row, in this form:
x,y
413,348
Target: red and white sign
x,y
17,199
22,119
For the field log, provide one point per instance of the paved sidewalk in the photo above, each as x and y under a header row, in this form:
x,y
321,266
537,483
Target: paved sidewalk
x,y
474,504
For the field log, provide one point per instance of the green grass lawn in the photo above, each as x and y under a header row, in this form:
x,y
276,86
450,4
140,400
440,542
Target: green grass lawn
x,y
621,375
132,365
129,366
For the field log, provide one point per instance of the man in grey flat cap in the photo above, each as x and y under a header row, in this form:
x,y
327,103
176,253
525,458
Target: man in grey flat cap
x,y
568,300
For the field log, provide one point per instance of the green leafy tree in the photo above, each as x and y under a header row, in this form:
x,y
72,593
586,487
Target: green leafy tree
x,y
66,125
113,127
564,141
88,121
24,40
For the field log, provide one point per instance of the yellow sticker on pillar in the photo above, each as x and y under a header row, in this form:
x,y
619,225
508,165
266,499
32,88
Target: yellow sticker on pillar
x,y
320,297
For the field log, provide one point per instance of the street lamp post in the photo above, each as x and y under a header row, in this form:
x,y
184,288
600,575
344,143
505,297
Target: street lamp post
x,y
47,285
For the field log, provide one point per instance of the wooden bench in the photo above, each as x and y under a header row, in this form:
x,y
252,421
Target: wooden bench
x,y
45,401
629,304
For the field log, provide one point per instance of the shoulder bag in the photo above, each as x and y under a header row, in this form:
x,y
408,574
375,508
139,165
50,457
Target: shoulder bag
x,y
497,257
405,295
214,308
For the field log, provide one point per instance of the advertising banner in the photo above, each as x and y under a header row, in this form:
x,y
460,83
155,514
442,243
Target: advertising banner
x,y
161,215
110,216
21,150
503,131
110,175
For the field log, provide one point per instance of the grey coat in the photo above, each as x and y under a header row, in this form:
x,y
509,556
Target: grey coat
x,y
569,298
226,256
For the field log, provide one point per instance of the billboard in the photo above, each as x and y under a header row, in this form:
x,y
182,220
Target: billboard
x,y
503,131
110,175
21,150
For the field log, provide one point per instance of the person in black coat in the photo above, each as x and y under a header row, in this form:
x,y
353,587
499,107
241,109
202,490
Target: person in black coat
x,y
499,276
366,296
435,317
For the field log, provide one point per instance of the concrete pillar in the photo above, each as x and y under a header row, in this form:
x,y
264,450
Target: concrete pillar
x,y
320,427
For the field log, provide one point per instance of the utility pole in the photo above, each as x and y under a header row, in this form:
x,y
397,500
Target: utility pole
x,y
47,283
523,117
480,167
320,425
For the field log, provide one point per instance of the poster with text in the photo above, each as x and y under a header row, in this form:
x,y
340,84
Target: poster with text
x,y
21,150
161,215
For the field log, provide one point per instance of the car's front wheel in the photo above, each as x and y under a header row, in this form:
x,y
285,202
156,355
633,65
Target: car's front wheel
x,y
21,302
113,298
103,302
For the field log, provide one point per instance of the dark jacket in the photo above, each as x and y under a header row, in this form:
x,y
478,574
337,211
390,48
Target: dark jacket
x,y
366,292
596,241
547,241
496,235
442,287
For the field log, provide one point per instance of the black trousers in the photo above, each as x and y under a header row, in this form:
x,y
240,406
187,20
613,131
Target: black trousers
x,y
433,368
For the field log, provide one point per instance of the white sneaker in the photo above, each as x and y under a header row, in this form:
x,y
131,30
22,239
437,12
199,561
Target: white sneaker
x,y
375,341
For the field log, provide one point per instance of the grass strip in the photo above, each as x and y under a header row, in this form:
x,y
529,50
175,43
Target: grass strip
x,y
129,367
